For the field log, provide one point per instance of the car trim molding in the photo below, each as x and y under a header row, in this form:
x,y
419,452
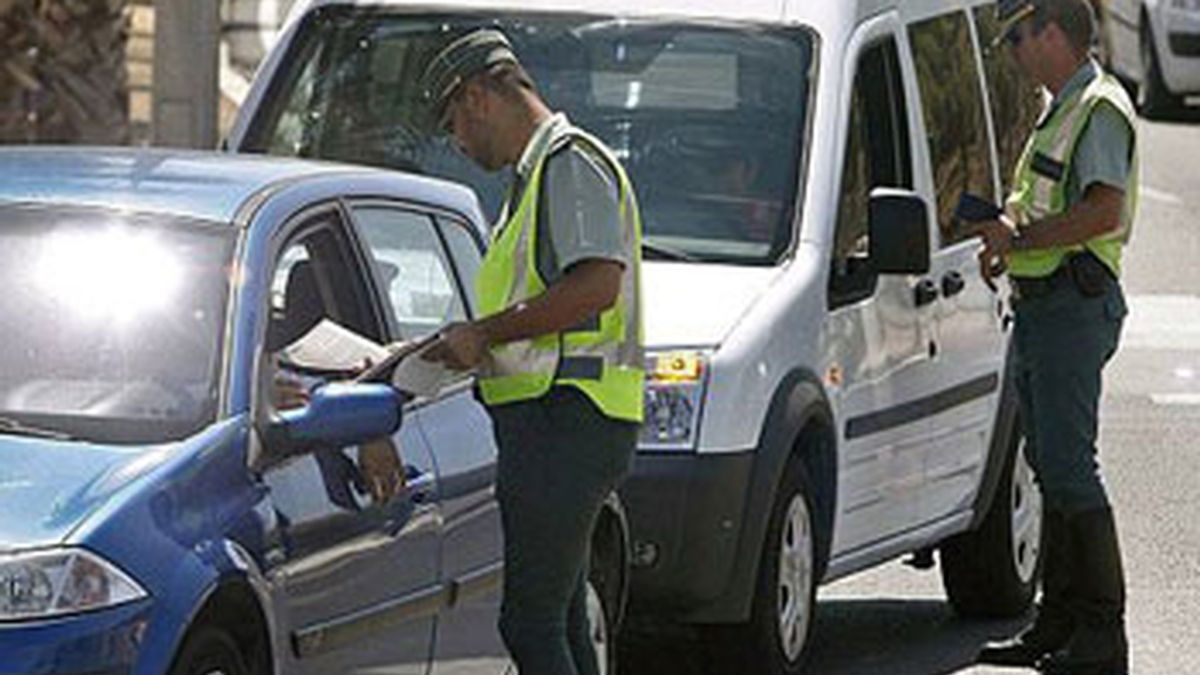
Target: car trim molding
x,y
917,409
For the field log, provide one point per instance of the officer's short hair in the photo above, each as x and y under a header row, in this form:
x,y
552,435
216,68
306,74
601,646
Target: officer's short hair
x,y
1074,17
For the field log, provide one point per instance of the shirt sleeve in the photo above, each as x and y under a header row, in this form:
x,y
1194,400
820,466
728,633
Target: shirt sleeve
x,y
581,210
1104,151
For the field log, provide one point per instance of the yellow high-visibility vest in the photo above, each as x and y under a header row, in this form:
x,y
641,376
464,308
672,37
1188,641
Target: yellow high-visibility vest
x,y
1040,183
605,357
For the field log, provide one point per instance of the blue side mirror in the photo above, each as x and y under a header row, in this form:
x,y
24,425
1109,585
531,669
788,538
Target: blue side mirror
x,y
341,414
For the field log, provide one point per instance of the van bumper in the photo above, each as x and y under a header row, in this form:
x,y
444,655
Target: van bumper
x,y
685,512
1181,66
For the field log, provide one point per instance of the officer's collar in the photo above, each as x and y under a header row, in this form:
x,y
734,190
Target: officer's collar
x,y
1086,72
1082,78
539,142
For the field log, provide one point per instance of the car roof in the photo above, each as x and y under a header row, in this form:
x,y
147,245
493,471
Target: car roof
x,y
204,185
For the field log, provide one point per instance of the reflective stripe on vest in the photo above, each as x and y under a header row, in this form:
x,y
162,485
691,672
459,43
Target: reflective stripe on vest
x,y
1040,182
604,358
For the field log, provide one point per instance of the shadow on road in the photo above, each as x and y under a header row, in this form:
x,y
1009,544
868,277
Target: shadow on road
x,y
851,637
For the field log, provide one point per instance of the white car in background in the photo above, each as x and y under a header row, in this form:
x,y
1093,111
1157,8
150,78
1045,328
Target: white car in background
x,y
1155,46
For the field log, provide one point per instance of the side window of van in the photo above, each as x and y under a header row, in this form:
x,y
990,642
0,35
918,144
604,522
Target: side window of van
x,y
1015,98
877,155
955,120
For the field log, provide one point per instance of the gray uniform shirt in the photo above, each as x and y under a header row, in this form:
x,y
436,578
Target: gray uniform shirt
x,y
579,207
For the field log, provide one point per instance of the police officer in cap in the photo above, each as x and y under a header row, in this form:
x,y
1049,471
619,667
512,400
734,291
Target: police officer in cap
x,y
558,349
1067,221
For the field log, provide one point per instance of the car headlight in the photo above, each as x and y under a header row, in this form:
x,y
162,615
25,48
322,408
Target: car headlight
x,y
55,582
675,383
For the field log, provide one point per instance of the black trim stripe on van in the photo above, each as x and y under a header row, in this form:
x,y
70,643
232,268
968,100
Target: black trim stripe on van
x,y
929,406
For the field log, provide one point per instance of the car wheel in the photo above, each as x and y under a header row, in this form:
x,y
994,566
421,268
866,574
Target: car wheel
x,y
208,650
1154,100
776,639
993,570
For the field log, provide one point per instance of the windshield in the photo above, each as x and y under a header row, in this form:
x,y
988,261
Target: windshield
x,y
708,119
113,323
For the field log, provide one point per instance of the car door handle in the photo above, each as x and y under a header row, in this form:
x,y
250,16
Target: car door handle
x,y
925,292
953,284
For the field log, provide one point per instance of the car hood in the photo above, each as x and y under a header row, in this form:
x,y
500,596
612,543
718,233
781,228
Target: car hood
x,y
47,488
697,305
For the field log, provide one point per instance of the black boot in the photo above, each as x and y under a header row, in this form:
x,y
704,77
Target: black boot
x,y
1053,625
1098,646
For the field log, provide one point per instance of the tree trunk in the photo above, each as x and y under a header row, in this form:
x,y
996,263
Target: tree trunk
x,y
62,71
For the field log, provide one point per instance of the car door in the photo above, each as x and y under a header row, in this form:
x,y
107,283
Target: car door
x,y
971,328
359,576
880,330
436,256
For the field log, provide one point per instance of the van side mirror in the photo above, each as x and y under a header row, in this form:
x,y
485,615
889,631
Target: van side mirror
x,y
899,232
337,415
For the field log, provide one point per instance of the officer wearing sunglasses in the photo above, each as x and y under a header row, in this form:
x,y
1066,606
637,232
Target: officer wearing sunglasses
x,y
1067,221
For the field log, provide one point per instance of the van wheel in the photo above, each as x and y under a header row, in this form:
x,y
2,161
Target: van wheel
x,y
993,571
602,600
775,640
1154,100
208,650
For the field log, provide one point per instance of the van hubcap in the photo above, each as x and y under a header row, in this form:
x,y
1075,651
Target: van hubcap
x,y
795,578
1026,511
597,628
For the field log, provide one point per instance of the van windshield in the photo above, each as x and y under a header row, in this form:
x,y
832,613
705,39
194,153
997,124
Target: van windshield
x,y
709,119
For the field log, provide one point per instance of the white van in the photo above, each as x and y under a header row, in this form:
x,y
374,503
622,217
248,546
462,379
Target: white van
x,y
829,385
1155,45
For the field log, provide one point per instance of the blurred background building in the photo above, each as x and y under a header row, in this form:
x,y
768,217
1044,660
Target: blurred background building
x,y
163,72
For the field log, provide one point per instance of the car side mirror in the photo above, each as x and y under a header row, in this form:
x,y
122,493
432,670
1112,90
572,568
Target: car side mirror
x,y
337,415
899,232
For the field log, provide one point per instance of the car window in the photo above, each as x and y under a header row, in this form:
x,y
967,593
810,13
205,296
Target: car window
x,y
1016,100
411,264
314,278
721,108
955,120
877,155
464,252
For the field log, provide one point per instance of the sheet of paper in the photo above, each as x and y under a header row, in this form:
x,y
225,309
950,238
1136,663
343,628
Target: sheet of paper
x,y
333,348
417,376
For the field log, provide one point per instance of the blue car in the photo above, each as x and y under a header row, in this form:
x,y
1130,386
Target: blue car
x,y
161,511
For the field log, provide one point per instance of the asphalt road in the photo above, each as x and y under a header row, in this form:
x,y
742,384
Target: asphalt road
x,y
894,621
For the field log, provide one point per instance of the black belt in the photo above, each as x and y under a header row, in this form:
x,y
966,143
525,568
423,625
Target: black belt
x,y
1082,270
1028,288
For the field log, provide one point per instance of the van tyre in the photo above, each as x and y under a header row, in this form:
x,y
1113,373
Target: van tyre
x,y
1154,100
993,571
601,610
208,650
775,641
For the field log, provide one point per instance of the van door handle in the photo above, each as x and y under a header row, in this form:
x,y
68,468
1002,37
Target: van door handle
x,y
953,284
925,292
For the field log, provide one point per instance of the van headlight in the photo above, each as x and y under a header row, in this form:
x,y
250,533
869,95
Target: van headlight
x,y
55,582
675,383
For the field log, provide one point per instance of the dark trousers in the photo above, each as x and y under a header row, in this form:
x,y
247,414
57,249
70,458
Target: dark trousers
x,y
559,459
1063,340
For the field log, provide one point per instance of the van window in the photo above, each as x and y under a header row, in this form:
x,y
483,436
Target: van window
x,y
877,155
1016,100
720,109
959,149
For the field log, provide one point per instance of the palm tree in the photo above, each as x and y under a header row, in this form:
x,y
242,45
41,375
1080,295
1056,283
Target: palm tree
x,y
62,71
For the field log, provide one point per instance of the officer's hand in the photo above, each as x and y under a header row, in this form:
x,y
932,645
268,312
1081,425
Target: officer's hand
x,y
379,464
461,346
997,239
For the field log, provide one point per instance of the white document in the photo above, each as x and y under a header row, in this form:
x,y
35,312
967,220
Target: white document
x,y
419,377
330,347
